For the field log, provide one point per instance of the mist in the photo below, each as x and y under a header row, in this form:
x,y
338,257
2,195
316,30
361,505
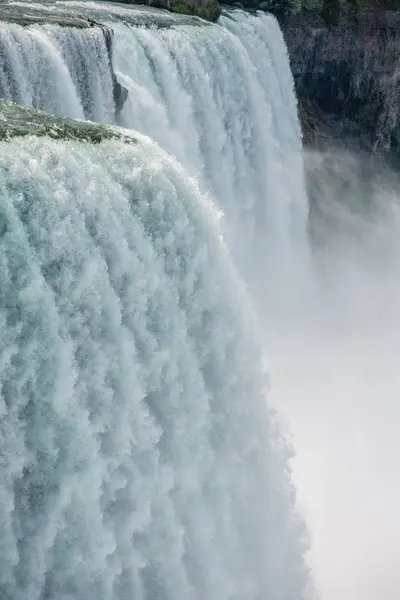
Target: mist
x,y
335,379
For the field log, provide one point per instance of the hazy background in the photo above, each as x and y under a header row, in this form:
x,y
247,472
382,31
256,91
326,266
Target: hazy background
x,y
335,376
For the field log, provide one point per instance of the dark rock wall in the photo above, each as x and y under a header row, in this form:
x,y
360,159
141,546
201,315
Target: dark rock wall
x,y
348,78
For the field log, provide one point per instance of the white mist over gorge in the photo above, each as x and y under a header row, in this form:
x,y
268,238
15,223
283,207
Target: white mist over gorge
x,y
200,328
337,381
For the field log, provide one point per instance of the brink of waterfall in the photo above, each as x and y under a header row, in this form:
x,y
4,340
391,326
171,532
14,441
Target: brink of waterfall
x,y
140,457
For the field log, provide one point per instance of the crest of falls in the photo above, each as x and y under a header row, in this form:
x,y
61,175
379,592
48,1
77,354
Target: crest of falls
x,y
139,458
219,97
63,70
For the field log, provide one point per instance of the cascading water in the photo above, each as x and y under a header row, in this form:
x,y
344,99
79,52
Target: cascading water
x,y
150,470
220,98
222,101
63,70
140,459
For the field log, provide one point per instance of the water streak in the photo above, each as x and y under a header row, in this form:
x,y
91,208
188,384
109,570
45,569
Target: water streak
x,y
62,70
139,459
219,97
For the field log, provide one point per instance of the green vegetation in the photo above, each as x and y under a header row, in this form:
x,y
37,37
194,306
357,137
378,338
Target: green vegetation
x,y
280,8
330,11
335,12
206,9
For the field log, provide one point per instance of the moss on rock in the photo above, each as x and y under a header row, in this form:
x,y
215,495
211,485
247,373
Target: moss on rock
x,y
17,120
205,9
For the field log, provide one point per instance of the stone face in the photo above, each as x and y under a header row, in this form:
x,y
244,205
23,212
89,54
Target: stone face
x,y
17,120
348,78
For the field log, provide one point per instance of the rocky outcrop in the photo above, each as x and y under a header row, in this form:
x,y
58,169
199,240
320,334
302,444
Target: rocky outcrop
x,y
32,16
348,79
120,93
17,120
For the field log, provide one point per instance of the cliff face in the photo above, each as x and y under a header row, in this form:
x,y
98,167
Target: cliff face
x,y
348,79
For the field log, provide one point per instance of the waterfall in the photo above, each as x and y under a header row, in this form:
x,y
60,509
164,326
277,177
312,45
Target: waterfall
x,y
140,459
221,99
63,70
218,97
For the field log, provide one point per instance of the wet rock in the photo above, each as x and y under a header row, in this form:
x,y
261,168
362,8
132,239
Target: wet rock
x,y
347,78
17,120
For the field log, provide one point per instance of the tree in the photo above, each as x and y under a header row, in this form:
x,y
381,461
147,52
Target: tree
x,y
331,12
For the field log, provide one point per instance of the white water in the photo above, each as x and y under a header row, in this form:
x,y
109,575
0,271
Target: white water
x,y
221,99
337,380
62,70
139,460
334,363
142,461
